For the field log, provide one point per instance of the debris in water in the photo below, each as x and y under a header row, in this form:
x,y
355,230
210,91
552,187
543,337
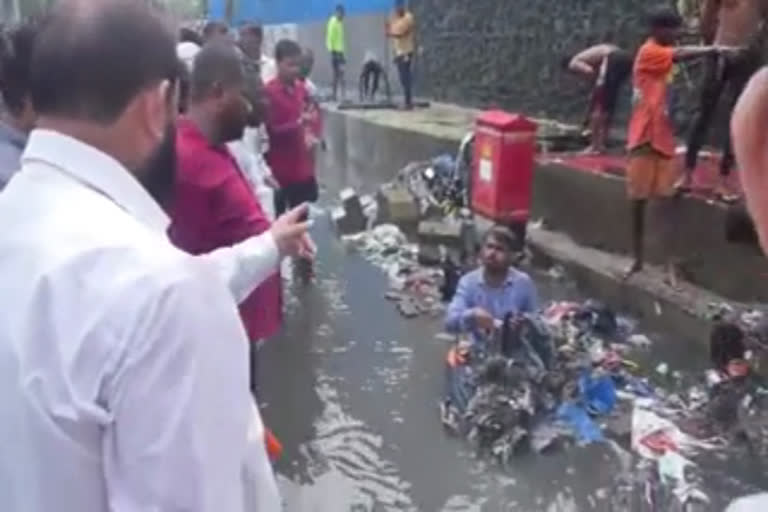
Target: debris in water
x,y
639,340
556,272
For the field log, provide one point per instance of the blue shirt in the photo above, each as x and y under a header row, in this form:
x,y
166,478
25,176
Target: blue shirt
x,y
517,295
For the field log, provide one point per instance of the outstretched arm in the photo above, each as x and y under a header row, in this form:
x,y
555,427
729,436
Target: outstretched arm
x,y
684,53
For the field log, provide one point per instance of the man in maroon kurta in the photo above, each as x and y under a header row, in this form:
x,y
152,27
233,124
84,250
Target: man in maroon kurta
x,y
289,125
213,204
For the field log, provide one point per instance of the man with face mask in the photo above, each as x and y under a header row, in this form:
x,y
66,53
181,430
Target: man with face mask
x,y
123,363
484,297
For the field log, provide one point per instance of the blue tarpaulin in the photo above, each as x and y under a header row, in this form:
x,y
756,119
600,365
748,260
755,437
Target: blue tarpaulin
x,y
292,11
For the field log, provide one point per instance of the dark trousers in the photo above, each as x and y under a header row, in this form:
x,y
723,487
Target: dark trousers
x,y
729,75
405,70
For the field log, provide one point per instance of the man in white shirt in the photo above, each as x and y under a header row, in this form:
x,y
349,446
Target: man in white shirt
x,y
249,151
123,363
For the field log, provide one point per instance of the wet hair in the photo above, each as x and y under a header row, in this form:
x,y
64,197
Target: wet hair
x,y
217,63
253,29
15,64
664,18
726,343
213,27
90,65
286,49
188,35
504,236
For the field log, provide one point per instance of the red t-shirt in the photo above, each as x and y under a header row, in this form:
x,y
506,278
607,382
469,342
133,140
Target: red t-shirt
x,y
214,207
288,156
650,123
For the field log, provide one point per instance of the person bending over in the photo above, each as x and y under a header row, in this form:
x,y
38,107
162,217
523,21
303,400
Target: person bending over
x,y
370,76
608,67
487,295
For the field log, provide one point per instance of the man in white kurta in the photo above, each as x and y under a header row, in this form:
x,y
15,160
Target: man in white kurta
x,y
123,362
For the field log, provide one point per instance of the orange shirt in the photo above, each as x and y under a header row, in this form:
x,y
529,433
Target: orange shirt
x,y
650,123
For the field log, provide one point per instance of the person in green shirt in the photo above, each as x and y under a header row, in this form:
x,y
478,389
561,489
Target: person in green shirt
x,y
334,38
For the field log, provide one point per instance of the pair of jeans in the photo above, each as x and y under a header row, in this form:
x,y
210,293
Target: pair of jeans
x,y
405,70
723,74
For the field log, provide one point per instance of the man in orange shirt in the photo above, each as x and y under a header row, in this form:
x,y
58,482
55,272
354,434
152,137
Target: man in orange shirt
x,y
651,170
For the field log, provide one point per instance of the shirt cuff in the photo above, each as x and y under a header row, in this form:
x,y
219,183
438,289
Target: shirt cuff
x,y
265,244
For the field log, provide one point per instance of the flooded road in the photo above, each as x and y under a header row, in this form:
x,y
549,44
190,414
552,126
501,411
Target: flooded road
x,y
351,388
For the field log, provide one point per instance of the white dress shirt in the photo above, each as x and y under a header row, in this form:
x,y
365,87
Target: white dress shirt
x,y
250,160
123,363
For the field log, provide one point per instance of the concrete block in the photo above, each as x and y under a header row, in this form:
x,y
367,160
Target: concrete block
x,y
429,255
441,232
355,220
346,224
396,206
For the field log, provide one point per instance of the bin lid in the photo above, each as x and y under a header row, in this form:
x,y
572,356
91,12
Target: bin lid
x,y
506,121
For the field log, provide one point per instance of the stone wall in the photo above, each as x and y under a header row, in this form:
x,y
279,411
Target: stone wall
x,y
508,53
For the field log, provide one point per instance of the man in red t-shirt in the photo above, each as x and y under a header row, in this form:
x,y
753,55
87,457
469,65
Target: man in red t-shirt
x,y
213,204
289,126
651,170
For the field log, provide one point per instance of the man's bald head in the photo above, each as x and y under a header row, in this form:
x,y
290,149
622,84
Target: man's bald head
x,y
216,66
93,57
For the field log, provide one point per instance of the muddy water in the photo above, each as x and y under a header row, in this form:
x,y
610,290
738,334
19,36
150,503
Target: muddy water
x,y
351,388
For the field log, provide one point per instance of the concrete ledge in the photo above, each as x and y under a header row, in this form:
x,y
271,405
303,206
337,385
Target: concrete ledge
x,y
645,296
592,208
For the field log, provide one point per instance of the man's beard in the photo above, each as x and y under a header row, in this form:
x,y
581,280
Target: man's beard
x,y
158,173
233,129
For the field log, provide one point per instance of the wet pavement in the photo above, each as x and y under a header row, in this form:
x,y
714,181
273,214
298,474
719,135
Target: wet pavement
x,y
351,388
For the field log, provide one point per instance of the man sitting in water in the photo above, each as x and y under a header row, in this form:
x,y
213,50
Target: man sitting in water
x,y
608,66
485,296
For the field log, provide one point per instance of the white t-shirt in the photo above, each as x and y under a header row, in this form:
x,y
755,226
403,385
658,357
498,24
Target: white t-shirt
x,y
186,52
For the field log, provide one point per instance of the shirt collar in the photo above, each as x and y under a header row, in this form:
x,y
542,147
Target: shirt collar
x,y
509,281
97,170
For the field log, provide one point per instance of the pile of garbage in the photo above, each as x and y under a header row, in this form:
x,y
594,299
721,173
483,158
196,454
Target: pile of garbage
x,y
563,377
541,380
415,289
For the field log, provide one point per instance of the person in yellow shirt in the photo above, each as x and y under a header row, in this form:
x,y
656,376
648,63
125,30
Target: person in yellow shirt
x,y
336,44
400,29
